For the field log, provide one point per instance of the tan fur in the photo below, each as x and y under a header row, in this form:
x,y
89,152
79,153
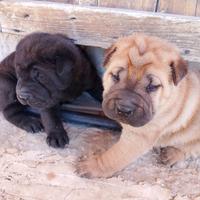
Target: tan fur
x,y
176,124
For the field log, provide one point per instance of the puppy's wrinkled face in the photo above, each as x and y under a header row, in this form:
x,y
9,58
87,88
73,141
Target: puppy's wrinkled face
x,y
141,75
44,67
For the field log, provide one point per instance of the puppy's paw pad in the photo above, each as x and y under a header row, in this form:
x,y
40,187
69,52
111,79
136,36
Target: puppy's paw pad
x,y
57,139
89,168
170,155
32,125
86,167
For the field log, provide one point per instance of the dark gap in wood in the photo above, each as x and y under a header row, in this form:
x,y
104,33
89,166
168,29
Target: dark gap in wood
x,y
157,5
72,18
16,30
186,51
196,7
26,15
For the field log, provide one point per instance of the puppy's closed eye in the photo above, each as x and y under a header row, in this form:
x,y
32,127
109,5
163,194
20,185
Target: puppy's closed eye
x,y
153,84
35,73
116,75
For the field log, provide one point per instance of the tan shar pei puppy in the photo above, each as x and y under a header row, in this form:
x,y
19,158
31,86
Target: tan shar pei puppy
x,y
150,90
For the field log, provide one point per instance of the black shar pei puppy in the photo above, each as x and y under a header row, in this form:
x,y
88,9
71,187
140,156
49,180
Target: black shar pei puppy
x,y
44,71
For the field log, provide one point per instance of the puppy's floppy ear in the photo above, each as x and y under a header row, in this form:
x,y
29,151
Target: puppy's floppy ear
x,y
108,54
64,71
64,67
179,69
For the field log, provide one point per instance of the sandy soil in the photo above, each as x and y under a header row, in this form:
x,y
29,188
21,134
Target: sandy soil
x,y
30,170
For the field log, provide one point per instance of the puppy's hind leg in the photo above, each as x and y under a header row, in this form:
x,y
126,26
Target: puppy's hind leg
x,y
171,155
13,111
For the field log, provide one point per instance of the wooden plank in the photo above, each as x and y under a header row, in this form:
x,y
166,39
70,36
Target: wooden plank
x,y
147,5
198,8
100,27
184,7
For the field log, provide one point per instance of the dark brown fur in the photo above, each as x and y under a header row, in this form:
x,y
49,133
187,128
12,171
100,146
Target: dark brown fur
x,y
44,71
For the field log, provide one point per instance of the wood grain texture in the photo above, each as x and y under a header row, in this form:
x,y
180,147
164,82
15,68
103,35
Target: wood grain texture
x,y
100,27
147,5
184,7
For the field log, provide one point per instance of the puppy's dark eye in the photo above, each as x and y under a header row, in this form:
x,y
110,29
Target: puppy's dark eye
x,y
35,74
115,77
54,59
152,87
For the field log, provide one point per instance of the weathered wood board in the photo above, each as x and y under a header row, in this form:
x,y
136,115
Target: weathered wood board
x,y
99,26
147,5
186,7
183,7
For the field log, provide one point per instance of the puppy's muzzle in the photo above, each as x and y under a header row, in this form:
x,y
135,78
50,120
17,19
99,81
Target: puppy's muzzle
x,y
29,96
128,107
24,95
125,110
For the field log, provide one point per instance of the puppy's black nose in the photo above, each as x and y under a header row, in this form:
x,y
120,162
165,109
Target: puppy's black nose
x,y
124,110
24,94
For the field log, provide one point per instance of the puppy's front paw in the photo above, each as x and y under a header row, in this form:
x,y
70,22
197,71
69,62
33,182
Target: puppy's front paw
x,y
57,139
89,168
31,124
170,155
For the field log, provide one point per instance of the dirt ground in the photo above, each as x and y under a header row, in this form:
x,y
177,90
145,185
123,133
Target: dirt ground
x,y
30,170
